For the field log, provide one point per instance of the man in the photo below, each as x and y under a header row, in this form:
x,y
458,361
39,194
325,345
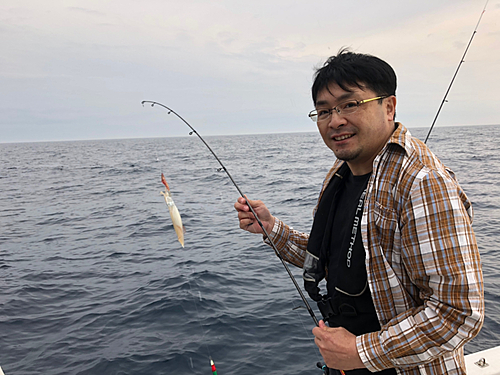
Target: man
x,y
392,235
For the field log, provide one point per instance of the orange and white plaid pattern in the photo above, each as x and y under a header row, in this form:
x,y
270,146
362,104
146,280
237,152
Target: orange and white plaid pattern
x,y
422,261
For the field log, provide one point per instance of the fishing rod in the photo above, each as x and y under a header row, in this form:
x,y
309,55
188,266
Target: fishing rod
x,y
456,72
273,245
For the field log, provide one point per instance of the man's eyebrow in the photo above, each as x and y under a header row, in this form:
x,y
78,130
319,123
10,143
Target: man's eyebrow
x,y
320,103
342,97
347,95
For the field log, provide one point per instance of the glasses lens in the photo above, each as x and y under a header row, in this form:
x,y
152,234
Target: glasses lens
x,y
313,115
323,114
348,107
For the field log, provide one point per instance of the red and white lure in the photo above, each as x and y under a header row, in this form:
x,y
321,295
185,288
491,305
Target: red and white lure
x,y
174,212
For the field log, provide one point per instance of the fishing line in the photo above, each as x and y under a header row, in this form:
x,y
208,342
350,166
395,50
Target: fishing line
x,y
273,245
456,72
307,331
198,314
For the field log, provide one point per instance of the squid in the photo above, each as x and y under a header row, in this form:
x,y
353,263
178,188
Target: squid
x,y
174,212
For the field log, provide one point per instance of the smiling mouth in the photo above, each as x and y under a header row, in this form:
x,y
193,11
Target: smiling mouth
x,y
342,137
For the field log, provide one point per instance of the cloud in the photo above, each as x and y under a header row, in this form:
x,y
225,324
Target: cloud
x,y
231,66
90,12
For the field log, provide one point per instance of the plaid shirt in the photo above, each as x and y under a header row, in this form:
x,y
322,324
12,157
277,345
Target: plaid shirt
x,y
422,261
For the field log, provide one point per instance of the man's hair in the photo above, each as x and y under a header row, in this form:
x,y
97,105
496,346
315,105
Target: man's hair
x,y
348,69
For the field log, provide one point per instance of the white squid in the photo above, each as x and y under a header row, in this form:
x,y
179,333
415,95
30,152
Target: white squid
x,y
174,212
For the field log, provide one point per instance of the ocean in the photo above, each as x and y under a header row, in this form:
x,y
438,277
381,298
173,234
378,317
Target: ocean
x,y
94,281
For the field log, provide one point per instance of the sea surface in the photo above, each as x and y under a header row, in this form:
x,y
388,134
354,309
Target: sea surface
x,y
94,281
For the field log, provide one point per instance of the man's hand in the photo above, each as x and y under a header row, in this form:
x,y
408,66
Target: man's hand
x,y
338,347
247,219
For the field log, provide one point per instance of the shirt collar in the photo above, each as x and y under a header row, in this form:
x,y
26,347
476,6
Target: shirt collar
x,y
401,137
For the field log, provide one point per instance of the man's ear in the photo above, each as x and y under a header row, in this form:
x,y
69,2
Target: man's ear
x,y
390,103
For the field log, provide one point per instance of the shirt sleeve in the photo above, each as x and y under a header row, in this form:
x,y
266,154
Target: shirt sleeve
x,y
291,244
440,256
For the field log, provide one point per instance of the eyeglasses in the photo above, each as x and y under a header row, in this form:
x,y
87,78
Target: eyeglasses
x,y
346,108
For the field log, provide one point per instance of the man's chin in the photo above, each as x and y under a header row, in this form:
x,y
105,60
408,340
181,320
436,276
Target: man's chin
x,y
346,156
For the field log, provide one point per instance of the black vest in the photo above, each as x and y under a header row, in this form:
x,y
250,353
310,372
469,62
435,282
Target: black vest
x,y
348,302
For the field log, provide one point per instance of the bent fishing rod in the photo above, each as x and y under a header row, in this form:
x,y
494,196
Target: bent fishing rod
x,y
273,245
456,72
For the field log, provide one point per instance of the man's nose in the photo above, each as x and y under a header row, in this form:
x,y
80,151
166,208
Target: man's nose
x,y
336,119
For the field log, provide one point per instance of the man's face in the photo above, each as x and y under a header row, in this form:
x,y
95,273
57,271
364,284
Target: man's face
x,y
357,137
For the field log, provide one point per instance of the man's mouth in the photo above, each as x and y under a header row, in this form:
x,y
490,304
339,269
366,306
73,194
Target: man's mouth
x,y
342,137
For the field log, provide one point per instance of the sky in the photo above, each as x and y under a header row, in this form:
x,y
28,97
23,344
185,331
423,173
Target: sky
x,y
75,70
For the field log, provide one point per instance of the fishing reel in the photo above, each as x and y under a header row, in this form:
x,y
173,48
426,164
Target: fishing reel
x,y
323,367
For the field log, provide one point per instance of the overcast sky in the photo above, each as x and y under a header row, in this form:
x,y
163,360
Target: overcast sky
x,y
74,70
